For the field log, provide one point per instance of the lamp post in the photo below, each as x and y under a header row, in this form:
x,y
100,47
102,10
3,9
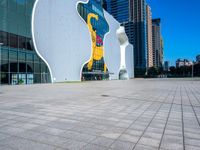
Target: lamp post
x,y
0,61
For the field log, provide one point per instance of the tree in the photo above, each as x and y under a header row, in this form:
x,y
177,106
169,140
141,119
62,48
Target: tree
x,y
173,70
152,72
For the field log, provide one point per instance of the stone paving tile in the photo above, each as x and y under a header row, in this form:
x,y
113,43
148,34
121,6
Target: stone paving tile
x,y
172,142
4,136
144,147
102,141
3,147
73,145
189,147
23,144
149,142
194,142
161,114
119,145
128,138
93,147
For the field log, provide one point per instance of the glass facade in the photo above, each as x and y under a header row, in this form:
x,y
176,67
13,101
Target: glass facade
x,y
118,8
93,15
19,62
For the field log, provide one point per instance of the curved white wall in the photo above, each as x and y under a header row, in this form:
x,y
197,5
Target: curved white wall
x,y
129,60
112,47
62,39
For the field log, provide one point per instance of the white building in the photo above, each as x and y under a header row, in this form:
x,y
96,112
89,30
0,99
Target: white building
x,y
65,40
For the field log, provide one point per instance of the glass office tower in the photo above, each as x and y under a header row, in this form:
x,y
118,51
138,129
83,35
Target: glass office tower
x,y
132,15
19,62
118,9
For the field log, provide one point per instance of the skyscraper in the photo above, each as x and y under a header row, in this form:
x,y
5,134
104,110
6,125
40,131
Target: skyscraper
x,y
132,14
138,14
149,37
118,9
157,43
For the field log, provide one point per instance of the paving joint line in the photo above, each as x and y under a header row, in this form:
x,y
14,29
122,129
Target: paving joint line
x,y
151,121
167,119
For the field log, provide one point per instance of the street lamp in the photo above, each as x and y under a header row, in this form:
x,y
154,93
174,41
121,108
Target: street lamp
x,y
0,61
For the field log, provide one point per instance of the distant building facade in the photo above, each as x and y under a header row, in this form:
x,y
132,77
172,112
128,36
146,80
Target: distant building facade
x,y
149,37
166,65
198,58
157,43
183,63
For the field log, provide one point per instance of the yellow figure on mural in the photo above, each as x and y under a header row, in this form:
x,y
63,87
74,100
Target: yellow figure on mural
x,y
97,51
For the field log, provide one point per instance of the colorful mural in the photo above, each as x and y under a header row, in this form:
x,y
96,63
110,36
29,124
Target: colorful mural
x,y
93,15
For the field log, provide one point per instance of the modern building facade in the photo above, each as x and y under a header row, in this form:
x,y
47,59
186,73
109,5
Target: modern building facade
x,y
78,40
166,65
149,37
19,62
183,63
138,14
157,43
198,58
41,47
135,24
118,9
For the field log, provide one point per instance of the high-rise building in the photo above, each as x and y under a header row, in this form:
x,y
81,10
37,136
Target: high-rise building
x,y
118,9
132,14
149,37
19,63
198,58
166,65
140,42
157,43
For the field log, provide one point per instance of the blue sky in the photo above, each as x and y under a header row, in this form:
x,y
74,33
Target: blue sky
x,y
180,27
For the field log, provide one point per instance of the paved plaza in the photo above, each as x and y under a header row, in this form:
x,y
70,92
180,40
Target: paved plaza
x,y
139,114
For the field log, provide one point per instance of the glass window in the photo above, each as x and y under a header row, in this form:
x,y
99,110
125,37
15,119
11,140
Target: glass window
x,y
43,68
13,66
4,65
21,6
29,78
36,58
29,6
3,3
14,79
4,38
22,42
4,78
22,56
13,41
12,5
29,44
29,67
37,78
22,79
22,67
29,57
13,55
4,54
37,68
